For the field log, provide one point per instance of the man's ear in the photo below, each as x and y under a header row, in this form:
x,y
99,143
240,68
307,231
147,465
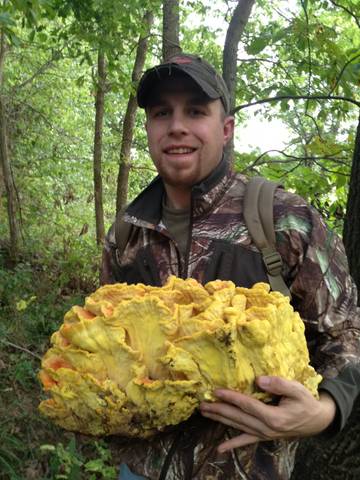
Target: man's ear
x,y
229,124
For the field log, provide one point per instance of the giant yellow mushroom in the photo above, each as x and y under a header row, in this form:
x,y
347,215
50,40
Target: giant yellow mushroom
x,y
135,359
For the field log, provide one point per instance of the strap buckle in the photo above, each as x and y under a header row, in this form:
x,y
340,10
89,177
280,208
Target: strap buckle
x,y
273,261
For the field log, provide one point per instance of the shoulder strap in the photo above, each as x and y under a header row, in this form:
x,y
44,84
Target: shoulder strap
x,y
259,219
122,233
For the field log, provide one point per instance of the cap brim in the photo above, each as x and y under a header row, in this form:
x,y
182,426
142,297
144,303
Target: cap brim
x,y
156,74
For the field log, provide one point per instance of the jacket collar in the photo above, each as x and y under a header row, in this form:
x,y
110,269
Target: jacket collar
x,y
146,209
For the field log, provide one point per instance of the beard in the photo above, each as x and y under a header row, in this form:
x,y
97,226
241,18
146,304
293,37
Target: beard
x,y
182,179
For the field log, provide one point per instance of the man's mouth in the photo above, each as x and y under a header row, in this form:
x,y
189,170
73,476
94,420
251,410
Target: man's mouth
x,y
179,150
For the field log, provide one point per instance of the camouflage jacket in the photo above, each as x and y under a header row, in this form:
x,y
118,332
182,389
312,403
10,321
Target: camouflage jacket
x,y
314,268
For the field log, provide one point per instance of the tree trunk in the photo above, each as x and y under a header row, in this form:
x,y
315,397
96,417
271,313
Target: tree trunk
x,y
236,28
99,120
129,120
6,167
339,458
171,28
2,187
351,231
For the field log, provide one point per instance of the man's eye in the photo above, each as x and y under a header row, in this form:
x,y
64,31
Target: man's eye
x,y
160,113
197,112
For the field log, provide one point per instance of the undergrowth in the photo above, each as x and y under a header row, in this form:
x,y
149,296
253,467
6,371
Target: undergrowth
x,y
34,296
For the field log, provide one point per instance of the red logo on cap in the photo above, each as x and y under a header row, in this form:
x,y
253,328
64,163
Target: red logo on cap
x,y
180,60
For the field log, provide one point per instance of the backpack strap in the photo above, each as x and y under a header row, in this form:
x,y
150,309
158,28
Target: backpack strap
x,y
259,219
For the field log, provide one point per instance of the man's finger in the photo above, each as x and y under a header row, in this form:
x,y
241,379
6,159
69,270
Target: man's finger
x,y
239,441
251,427
235,417
247,404
281,386
224,420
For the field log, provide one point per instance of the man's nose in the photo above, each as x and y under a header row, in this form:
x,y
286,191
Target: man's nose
x,y
178,124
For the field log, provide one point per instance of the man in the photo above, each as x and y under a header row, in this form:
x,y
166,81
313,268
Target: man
x,y
189,222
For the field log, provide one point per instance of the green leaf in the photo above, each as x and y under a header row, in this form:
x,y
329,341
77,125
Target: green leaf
x,y
42,37
302,45
284,105
13,39
257,45
279,34
6,20
96,465
80,81
352,51
341,181
287,91
32,35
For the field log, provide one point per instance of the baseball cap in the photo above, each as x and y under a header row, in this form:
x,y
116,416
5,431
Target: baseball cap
x,y
203,74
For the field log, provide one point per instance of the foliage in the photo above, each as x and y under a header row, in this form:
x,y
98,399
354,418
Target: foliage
x,y
311,49
304,48
68,463
34,299
11,449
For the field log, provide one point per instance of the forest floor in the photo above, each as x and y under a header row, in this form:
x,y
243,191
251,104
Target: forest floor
x,y
32,304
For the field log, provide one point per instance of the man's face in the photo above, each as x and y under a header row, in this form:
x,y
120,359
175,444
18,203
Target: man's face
x,y
186,132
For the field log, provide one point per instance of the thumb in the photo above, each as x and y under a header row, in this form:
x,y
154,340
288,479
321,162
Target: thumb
x,y
280,386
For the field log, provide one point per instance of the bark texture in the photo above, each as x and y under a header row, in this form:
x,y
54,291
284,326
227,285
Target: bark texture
x,y
236,28
351,232
6,166
171,28
129,120
99,120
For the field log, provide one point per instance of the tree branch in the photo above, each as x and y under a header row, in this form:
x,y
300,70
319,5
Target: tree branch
x,y
296,157
59,130
291,158
352,14
23,349
330,171
281,14
291,170
39,71
342,72
251,167
315,123
295,97
277,63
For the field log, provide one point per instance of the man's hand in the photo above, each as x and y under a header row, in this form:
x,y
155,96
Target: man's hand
x,y
298,413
